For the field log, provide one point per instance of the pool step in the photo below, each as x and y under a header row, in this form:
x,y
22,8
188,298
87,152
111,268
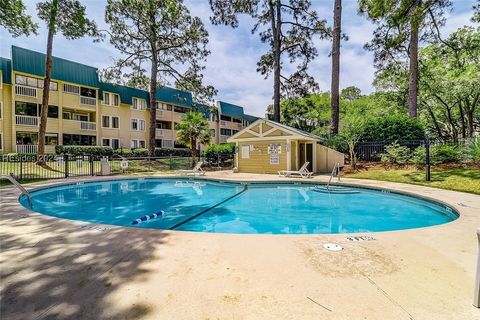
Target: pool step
x,y
335,189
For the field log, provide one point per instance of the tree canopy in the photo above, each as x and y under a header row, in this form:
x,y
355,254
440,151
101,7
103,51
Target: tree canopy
x,y
14,18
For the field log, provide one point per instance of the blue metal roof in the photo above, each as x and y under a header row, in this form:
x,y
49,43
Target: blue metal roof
x,y
175,96
203,108
231,110
33,62
249,118
6,67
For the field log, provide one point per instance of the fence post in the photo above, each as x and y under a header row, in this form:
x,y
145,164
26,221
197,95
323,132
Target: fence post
x,y
476,294
66,165
91,165
427,159
21,167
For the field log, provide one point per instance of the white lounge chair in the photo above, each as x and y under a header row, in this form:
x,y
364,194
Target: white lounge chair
x,y
197,170
302,172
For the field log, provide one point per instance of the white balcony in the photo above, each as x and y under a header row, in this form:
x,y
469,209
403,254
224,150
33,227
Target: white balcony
x,y
87,101
160,113
85,125
26,148
239,126
27,121
222,122
163,133
25,91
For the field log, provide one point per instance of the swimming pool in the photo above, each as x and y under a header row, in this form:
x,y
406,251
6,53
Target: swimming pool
x,y
228,207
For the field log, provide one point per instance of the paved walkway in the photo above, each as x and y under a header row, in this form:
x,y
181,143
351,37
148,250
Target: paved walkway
x,y
61,269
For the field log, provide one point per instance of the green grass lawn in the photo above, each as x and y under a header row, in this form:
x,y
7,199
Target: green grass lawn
x,y
458,179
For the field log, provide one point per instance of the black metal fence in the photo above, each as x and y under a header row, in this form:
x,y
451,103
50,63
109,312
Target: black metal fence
x,y
27,167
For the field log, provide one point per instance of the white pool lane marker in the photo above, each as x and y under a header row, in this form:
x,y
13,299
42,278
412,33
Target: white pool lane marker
x,y
360,238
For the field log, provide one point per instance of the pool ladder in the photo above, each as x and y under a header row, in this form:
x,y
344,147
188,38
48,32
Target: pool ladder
x,y
335,172
19,186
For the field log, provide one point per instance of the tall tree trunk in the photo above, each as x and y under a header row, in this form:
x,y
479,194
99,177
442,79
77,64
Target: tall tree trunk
x,y
46,85
276,25
153,103
413,68
435,122
335,95
462,119
193,142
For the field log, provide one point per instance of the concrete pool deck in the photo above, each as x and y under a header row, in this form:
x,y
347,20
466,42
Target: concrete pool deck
x,y
62,269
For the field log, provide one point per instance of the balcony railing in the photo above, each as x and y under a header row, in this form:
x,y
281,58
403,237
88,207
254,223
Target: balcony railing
x,y
25,91
160,113
222,122
85,125
88,101
26,120
239,126
159,132
223,139
26,148
163,133
167,143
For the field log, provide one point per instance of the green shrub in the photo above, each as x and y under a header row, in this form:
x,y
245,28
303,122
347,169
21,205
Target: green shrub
x,y
396,154
336,142
471,150
418,156
126,152
220,154
392,128
140,152
444,153
174,152
84,150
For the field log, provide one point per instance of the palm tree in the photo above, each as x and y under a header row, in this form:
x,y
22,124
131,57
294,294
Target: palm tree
x,y
192,129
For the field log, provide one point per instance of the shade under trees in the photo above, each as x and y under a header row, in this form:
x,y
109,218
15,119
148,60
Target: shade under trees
x,y
289,28
160,42
402,25
67,17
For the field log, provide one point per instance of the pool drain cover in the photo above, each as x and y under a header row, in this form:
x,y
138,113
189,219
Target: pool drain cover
x,y
332,247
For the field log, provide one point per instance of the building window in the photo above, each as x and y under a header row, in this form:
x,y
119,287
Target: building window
x,y
234,131
1,110
236,120
225,118
181,109
1,139
52,111
135,143
134,124
225,132
87,92
111,99
51,139
81,117
1,84
70,88
67,115
26,138
141,125
26,109
115,143
246,152
34,82
105,122
106,98
105,142
139,104
115,122
78,139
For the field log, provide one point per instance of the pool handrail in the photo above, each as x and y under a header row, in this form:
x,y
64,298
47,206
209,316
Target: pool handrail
x,y
19,186
336,170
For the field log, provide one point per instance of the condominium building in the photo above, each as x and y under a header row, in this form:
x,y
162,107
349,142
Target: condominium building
x,y
85,111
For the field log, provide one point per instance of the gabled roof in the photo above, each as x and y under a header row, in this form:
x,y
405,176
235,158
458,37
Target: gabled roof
x,y
33,62
126,93
274,130
231,110
175,96
6,67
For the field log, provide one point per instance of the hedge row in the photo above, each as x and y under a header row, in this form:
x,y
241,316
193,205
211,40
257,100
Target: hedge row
x,y
84,150
159,152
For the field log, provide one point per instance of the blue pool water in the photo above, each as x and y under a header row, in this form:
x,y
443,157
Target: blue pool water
x,y
224,207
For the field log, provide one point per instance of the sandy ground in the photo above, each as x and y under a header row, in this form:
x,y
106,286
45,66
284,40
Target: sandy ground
x,y
60,269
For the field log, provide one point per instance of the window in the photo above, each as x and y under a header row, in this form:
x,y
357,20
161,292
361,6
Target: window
x,y
26,109
26,138
225,118
81,117
135,143
1,85
34,82
139,104
246,151
78,139
1,140
181,109
106,98
111,99
52,111
236,120
105,142
141,125
51,139
115,122
116,100
163,106
70,88
67,115
1,109
134,124
105,122
234,131
115,143
225,132
87,92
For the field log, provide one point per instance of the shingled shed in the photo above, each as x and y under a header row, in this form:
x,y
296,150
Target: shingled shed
x,y
267,147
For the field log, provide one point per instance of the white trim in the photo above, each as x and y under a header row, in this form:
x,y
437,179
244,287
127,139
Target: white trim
x,y
110,121
111,98
138,125
1,108
139,106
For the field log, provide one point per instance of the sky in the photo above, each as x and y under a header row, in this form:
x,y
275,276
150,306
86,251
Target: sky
x,y
231,66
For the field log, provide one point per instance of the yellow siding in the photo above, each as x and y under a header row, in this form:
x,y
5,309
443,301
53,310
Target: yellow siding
x,y
6,120
259,161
